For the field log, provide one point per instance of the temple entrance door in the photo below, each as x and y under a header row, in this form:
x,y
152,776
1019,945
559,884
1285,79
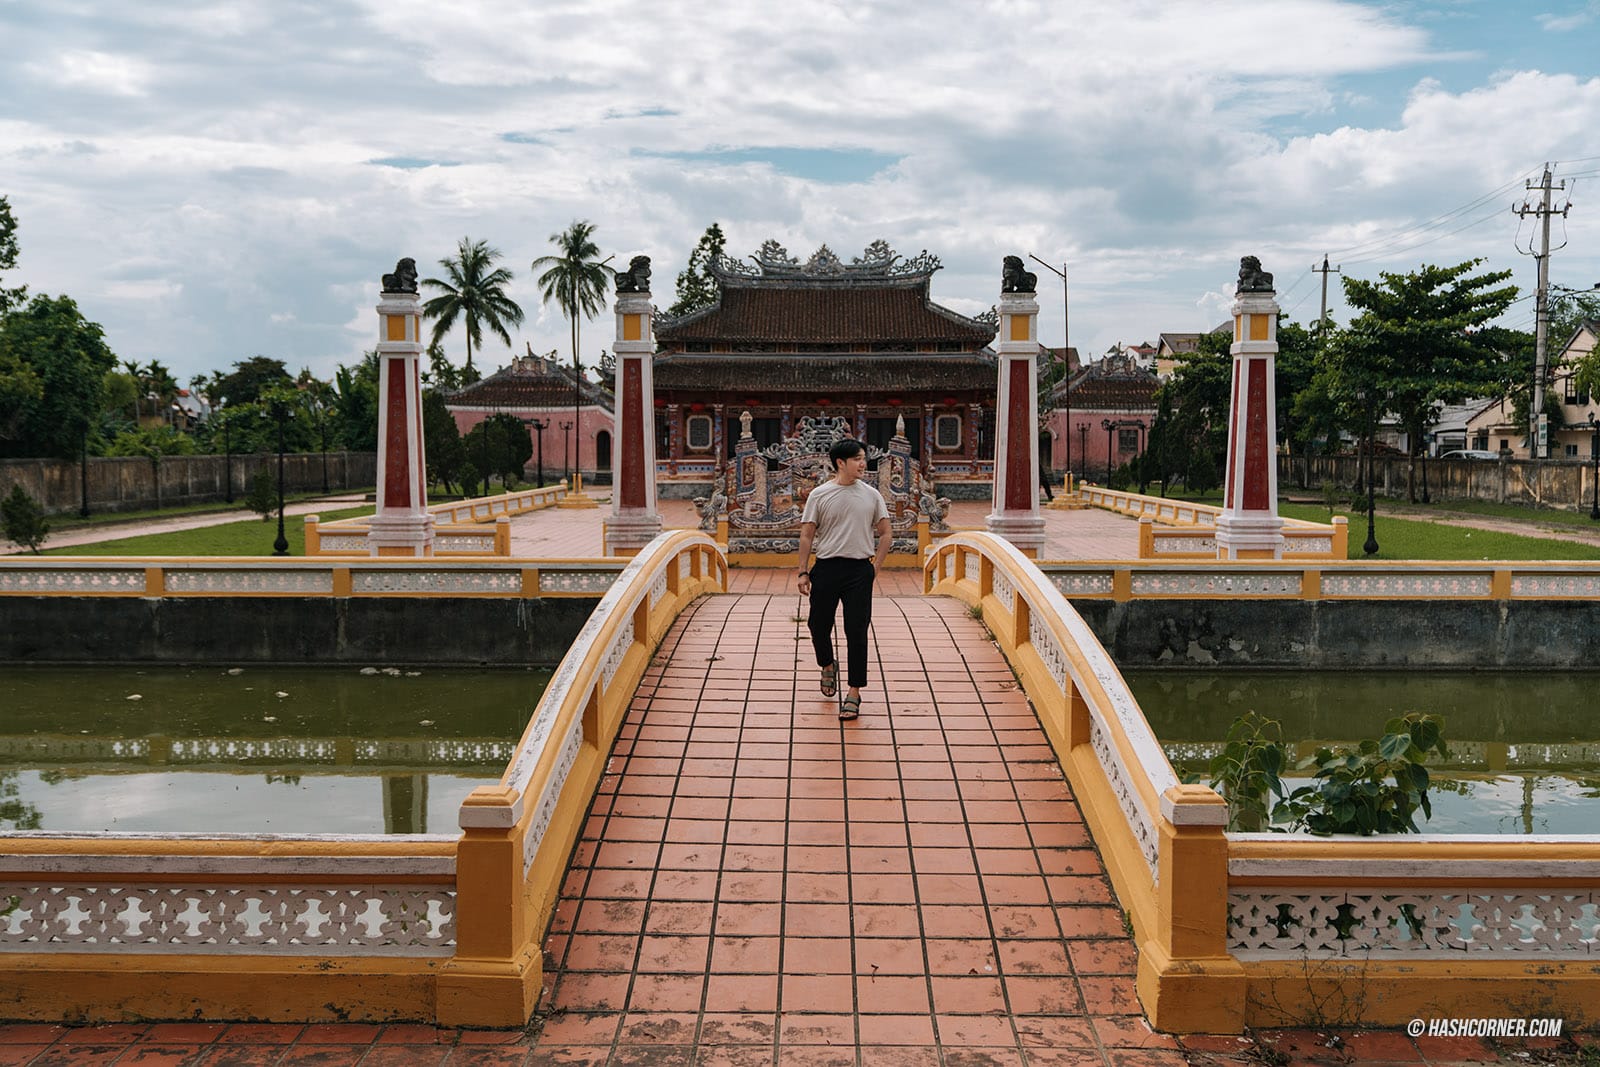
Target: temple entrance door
x,y
1046,446
602,450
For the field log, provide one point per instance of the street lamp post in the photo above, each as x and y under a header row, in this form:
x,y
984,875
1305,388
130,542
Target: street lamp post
x,y
279,412
1427,446
227,449
1370,547
320,409
1109,427
538,428
1594,453
83,480
1083,450
566,448
1066,353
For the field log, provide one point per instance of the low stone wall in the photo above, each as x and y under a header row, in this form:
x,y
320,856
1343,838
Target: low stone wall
x,y
129,483
1367,634
457,631
1550,483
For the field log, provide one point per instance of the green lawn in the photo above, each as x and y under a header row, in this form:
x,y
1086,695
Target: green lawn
x,y
1414,539
64,522
251,537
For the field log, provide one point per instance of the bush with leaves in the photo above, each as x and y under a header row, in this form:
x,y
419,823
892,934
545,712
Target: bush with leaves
x,y
1375,788
262,496
24,520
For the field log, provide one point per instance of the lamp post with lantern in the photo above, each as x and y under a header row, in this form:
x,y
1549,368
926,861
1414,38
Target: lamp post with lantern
x,y
538,426
280,410
1594,454
227,449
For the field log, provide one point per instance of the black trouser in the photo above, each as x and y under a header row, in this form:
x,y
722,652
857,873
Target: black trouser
x,y
849,580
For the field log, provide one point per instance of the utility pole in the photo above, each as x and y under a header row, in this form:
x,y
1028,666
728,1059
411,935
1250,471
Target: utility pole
x,y
1322,319
1542,299
1066,356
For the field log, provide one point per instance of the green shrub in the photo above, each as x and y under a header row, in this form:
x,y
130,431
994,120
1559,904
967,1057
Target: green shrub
x,y
262,496
24,520
1375,788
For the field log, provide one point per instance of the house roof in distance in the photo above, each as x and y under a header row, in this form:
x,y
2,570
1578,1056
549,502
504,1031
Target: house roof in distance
x,y
528,382
877,300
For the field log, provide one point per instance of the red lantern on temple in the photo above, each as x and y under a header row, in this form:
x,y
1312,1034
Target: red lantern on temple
x,y
751,401
823,401
949,401
697,406
661,401
894,401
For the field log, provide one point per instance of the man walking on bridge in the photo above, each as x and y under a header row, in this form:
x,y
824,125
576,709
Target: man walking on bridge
x,y
843,517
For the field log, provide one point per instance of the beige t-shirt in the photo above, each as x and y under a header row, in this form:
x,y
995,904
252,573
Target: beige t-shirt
x,y
845,516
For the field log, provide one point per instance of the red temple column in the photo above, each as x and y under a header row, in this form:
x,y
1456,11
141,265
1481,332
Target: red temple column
x,y
1016,443
634,519
402,525
1249,526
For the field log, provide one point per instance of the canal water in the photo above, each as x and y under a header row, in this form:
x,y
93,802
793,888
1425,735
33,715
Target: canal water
x,y
1524,747
253,750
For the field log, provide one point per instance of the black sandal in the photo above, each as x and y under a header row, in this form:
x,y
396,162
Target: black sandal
x,y
830,680
849,708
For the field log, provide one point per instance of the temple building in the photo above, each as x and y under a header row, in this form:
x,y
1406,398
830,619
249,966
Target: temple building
x,y
1101,416
862,340
544,390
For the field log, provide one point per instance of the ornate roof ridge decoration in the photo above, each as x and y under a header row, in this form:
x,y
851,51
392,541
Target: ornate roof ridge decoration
x,y
878,264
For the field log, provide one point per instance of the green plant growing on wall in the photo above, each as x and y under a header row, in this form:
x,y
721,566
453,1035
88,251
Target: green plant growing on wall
x,y
1375,788
25,524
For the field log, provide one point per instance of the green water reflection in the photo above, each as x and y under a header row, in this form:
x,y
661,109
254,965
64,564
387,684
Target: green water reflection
x,y
266,749
1525,748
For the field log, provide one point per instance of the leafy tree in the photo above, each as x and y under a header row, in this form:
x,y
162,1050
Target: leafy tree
x,y
441,440
155,443
474,291
69,357
9,298
1197,398
20,388
499,445
249,379
24,520
1419,341
356,404
575,279
697,287
441,373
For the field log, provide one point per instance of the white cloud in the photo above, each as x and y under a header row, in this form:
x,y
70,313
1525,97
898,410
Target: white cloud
x,y
1148,144
100,72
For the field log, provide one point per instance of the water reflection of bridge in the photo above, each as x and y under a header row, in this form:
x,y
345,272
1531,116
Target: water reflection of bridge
x,y
403,765
1575,757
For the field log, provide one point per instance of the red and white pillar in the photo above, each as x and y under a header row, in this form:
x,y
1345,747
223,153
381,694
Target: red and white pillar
x,y
1016,514
634,519
402,526
1249,526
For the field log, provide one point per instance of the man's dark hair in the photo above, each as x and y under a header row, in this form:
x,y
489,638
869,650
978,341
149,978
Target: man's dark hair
x,y
843,449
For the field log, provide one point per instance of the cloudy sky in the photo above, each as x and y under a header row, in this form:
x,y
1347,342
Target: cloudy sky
x,y
216,180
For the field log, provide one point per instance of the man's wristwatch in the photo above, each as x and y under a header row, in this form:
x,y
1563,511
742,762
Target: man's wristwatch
x,y
803,574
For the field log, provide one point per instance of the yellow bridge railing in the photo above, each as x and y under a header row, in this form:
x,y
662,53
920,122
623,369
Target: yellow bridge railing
x,y
1271,929
457,530
1176,529
110,927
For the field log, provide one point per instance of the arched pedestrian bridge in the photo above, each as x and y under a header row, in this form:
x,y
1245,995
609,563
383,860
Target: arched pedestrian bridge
x,y
687,838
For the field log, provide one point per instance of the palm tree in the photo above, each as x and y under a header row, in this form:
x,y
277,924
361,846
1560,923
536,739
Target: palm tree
x,y
576,280
475,292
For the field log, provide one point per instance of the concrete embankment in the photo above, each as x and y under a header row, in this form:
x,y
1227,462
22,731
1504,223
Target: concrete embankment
x,y
499,631
1367,634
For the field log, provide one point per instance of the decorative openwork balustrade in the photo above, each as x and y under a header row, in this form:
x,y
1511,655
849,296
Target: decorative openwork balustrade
x,y
456,531
521,831
254,576
1260,929
1175,529
332,926
1341,580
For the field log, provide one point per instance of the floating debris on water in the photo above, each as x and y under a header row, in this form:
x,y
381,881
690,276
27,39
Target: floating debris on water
x,y
269,718
393,672
280,694
135,696
235,671
425,722
413,674
369,670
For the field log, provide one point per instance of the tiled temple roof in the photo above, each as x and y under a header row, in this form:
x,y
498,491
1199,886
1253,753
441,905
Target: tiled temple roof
x,y
846,317
877,299
1116,382
823,374
529,382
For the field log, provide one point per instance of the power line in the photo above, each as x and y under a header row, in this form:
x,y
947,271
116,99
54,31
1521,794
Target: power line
x,y
1407,233
1389,252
